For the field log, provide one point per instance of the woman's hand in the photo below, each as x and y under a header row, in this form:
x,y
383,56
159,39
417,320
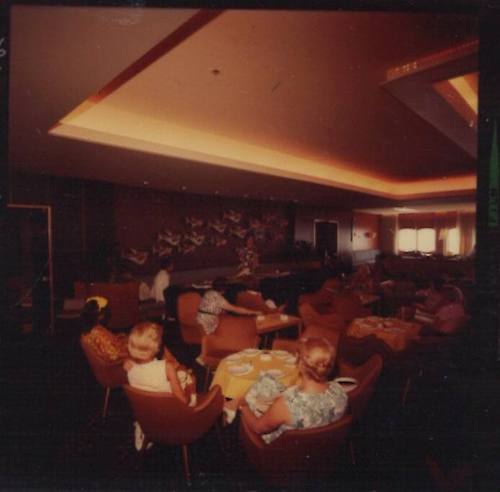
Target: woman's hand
x,y
128,364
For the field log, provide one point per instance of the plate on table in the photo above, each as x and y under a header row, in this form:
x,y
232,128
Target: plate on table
x,y
291,360
240,369
275,373
202,285
250,351
234,357
265,357
280,353
348,384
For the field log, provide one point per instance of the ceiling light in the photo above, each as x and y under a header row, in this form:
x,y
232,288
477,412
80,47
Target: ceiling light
x,y
145,183
183,188
405,210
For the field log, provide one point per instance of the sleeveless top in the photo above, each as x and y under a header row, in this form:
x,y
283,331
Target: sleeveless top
x,y
209,310
150,376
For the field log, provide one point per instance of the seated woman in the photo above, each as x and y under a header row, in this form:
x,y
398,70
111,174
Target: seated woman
x,y
449,318
432,297
213,304
110,347
428,299
313,402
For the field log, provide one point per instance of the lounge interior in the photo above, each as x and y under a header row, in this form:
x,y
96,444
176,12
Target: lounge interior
x,y
339,140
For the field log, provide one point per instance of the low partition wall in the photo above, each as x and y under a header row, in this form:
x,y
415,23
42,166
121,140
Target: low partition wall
x,y
397,265
365,256
188,277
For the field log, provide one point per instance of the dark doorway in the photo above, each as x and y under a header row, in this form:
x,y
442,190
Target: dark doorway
x,y
325,237
29,268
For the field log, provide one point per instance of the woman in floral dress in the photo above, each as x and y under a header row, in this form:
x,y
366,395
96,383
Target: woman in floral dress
x,y
213,304
313,402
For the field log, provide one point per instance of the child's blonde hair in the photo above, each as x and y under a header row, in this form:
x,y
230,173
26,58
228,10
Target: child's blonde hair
x,y
145,341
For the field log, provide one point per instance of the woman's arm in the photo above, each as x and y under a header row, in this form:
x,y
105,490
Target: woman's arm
x,y
174,383
227,306
278,414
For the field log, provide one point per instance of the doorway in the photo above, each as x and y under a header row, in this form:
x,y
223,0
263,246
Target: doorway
x,y
326,238
30,287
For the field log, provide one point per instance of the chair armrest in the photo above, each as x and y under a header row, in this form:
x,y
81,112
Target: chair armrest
x,y
206,399
251,436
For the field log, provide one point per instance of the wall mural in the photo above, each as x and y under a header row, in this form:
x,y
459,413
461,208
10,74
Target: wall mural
x,y
192,240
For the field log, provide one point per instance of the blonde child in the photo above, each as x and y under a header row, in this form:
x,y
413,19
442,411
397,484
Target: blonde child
x,y
147,370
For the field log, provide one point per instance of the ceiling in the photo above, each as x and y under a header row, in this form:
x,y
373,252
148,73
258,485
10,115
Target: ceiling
x,y
277,105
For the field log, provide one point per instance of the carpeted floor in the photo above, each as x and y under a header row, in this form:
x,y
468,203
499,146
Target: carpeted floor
x,y
53,436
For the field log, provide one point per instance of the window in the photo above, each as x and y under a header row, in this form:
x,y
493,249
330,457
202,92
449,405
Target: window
x,y
422,240
453,242
426,240
407,240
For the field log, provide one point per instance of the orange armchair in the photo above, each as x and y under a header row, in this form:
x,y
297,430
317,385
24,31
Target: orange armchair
x,y
187,310
123,298
165,419
348,305
233,334
108,374
253,300
322,298
310,316
367,375
296,454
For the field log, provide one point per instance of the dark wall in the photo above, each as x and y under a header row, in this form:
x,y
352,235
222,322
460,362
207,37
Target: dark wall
x,y
65,198
94,220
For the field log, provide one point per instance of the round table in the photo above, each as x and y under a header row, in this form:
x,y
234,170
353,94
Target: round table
x,y
396,333
236,385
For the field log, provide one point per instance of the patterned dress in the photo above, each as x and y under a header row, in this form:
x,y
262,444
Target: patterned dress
x,y
307,410
108,346
209,310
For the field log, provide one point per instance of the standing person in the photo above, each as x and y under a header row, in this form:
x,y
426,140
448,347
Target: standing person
x,y
162,280
213,304
248,256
